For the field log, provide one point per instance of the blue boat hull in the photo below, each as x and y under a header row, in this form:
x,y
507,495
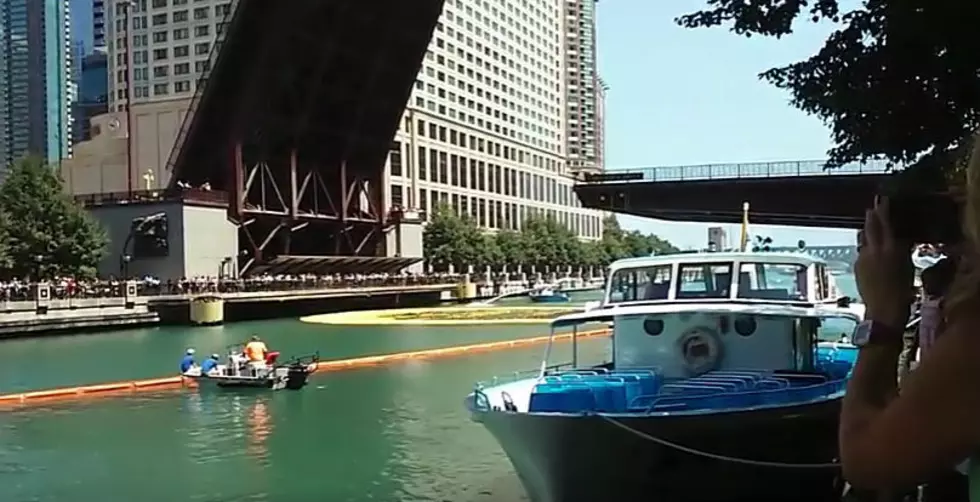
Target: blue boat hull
x,y
566,458
555,298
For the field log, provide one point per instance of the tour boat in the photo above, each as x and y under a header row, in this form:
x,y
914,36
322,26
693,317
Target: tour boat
x,y
239,373
548,294
716,388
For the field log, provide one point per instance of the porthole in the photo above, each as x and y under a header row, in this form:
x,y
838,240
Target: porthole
x,y
745,325
653,326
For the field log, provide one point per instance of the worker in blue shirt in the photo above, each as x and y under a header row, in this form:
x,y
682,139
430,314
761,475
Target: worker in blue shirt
x,y
187,362
209,364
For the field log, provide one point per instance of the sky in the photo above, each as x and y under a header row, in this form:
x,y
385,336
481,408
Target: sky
x,y
686,97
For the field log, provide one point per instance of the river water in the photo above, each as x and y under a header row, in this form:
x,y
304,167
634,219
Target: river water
x,y
389,433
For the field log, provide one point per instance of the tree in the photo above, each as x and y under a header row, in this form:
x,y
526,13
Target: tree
x,y
894,80
47,233
542,242
450,239
5,260
510,246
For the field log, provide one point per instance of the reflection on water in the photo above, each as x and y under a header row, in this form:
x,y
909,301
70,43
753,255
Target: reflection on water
x,y
388,433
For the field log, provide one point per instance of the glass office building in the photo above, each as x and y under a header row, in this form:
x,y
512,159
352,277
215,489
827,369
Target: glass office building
x,y
36,87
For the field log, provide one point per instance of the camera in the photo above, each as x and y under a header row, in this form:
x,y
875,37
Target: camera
x,y
928,218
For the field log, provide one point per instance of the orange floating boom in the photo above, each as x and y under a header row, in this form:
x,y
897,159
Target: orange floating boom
x,y
179,382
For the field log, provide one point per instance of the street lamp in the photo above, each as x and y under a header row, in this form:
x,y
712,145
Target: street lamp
x,y
124,266
38,260
128,6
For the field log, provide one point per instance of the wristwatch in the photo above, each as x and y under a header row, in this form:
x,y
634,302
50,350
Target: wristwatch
x,y
871,333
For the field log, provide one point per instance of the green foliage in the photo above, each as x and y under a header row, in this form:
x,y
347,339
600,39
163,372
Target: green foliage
x,y
894,80
542,242
42,230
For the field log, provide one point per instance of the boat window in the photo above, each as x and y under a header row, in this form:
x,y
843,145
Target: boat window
x,y
836,329
772,281
639,284
704,280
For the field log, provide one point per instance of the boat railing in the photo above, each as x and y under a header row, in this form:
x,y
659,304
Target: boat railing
x,y
742,399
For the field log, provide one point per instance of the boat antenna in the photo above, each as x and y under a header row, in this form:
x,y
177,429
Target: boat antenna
x,y
745,227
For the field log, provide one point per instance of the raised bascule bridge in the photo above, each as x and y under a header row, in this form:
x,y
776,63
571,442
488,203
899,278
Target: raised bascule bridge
x,y
294,123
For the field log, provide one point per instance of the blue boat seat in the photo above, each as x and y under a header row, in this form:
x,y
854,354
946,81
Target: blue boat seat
x,y
643,390
558,398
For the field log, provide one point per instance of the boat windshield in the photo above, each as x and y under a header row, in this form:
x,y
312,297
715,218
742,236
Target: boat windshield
x,y
836,329
639,284
704,280
772,281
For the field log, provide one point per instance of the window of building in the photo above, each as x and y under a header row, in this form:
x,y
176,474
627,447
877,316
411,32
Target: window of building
x,y
396,159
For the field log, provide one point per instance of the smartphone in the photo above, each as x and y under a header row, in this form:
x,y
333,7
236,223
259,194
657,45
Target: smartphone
x,y
930,218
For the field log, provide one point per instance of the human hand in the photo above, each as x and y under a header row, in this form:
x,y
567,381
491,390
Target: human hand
x,y
883,269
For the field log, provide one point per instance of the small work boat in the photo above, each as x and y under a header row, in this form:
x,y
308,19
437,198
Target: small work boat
x,y
548,294
292,374
718,389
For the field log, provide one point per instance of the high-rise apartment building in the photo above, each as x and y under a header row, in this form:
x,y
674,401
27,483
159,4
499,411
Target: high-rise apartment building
x,y
98,23
93,92
36,86
582,89
484,129
170,40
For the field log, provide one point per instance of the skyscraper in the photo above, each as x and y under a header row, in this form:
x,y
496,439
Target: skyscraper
x,y
484,131
171,43
36,87
582,90
98,23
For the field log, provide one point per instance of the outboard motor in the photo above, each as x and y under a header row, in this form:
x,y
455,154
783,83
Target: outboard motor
x,y
270,358
296,376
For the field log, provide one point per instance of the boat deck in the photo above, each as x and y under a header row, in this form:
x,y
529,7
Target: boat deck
x,y
646,391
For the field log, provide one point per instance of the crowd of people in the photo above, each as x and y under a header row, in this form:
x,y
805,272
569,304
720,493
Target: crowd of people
x,y
67,288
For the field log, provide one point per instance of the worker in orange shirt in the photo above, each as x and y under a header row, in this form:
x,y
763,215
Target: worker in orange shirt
x,y
255,352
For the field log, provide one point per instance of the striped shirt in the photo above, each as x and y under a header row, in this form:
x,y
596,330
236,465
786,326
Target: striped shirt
x,y
929,325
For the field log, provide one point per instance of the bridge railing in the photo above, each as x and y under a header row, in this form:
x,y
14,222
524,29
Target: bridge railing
x,y
735,171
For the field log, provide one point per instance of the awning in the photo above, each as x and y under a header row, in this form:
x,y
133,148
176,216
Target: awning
x,y
326,265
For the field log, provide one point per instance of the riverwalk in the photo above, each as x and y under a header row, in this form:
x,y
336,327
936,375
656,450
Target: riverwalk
x,y
43,314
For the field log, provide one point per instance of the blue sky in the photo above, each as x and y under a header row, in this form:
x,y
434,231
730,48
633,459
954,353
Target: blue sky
x,y
680,97
684,97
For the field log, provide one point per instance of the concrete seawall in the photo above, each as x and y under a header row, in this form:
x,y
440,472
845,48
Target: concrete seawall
x,y
46,316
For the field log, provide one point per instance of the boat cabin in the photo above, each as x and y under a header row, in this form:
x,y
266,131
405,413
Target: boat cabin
x,y
795,278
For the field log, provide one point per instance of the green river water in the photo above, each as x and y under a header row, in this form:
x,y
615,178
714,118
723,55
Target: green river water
x,y
390,433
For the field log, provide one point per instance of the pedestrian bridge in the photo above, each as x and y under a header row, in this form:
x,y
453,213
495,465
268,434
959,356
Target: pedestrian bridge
x,y
837,256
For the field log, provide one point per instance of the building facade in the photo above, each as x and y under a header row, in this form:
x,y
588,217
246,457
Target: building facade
x,y
98,24
36,86
582,90
484,129
93,92
170,41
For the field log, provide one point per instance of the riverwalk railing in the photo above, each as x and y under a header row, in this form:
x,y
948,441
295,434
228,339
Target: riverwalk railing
x,y
734,171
